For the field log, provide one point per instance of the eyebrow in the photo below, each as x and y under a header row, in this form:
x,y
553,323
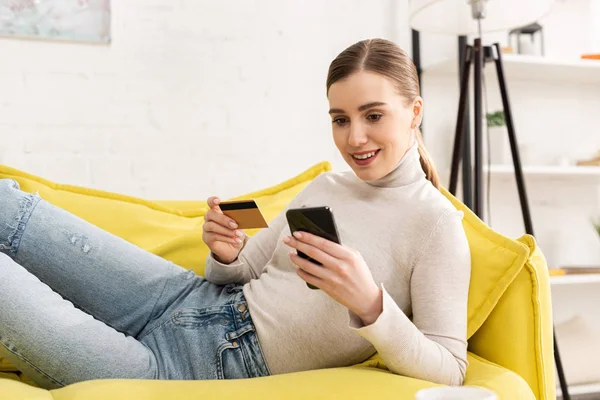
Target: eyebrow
x,y
361,108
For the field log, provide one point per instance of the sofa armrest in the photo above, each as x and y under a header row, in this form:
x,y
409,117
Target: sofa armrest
x,y
518,333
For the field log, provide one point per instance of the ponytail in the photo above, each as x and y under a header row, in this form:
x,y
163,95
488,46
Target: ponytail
x,y
426,163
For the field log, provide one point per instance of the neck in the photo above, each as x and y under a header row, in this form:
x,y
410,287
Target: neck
x,y
407,171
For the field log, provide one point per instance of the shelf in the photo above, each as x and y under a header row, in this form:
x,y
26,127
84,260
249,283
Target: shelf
x,y
574,279
532,68
548,172
576,390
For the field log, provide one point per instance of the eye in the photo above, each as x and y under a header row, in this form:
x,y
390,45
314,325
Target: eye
x,y
374,117
340,121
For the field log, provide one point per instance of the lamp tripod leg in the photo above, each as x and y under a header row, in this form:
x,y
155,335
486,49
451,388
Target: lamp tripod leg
x,y
477,134
458,136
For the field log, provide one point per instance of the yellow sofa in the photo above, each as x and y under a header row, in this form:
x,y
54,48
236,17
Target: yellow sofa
x,y
509,311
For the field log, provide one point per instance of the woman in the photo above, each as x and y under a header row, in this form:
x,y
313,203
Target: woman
x,y
397,285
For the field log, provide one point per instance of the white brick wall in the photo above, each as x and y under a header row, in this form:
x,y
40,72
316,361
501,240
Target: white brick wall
x,y
191,98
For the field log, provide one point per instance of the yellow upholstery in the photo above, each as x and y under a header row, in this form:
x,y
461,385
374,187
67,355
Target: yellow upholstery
x,y
509,322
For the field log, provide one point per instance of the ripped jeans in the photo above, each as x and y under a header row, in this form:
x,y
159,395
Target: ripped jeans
x,y
78,303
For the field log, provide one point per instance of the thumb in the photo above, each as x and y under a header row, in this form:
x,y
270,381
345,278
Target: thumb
x,y
213,203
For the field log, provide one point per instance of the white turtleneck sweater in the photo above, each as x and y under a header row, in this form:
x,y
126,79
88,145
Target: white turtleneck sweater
x,y
412,239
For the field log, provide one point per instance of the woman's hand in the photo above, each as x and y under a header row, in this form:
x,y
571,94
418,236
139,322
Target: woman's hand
x,y
344,275
220,234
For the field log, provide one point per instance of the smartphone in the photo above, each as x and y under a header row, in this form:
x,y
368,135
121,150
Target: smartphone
x,y
316,220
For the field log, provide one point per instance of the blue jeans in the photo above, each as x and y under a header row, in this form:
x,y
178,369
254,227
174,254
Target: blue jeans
x,y
78,303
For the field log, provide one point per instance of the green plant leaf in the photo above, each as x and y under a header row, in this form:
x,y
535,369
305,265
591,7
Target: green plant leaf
x,y
496,118
596,223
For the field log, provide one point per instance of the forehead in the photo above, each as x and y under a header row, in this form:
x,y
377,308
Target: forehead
x,y
361,87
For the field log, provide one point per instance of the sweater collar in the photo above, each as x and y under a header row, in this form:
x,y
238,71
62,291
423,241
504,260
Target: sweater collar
x,y
407,171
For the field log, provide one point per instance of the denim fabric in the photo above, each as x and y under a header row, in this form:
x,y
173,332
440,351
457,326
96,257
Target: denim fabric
x,y
78,303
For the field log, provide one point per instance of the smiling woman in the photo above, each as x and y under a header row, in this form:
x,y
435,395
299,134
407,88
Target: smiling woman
x,y
399,281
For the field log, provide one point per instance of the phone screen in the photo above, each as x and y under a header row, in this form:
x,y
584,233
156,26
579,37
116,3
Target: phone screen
x,y
316,220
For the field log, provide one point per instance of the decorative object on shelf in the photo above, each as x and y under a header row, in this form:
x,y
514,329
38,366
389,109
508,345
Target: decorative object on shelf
x,y
70,20
575,270
496,118
591,56
498,147
525,39
594,161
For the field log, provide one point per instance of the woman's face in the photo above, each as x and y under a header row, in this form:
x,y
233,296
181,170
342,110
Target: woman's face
x,y
372,123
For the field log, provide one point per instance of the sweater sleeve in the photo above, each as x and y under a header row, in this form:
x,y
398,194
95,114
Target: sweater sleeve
x,y
255,254
433,345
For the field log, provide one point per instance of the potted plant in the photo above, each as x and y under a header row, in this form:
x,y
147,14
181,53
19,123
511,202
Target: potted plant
x,y
499,147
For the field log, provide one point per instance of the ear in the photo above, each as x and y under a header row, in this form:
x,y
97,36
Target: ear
x,y
417,112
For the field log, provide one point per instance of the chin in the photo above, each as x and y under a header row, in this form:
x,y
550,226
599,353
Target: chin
x,y
368,174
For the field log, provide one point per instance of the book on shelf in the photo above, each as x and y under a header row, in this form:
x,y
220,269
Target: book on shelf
x,y
575,270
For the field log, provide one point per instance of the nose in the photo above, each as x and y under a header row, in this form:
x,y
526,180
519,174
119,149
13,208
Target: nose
x,y
358,136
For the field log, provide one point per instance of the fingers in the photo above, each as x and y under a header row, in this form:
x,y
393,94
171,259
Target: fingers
x,y
213,203
306,277
311,272
215,214
327,246
216,237
310,250
220,218
213,227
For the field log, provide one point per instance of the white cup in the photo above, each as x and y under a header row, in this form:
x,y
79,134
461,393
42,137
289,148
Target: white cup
x,y
456,393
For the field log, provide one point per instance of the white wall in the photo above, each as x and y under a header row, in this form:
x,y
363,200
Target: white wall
x,y
191,98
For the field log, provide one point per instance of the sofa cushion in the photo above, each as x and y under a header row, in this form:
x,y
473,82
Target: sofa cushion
x,y
350,383
173,229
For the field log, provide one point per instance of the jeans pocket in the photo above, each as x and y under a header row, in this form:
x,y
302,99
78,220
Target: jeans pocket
x,y
206,340
195,318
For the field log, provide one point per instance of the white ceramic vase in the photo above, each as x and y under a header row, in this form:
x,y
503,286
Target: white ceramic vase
x,y
499,145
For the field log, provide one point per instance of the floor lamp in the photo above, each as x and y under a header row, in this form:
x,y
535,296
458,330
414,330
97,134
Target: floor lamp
x,y
472,17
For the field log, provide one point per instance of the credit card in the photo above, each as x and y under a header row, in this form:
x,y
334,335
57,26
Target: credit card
x,y
245,213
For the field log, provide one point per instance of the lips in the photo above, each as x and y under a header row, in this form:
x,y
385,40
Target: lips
x,y
365,157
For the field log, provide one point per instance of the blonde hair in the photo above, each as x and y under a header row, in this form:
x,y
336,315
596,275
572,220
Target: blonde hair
x,y
386,58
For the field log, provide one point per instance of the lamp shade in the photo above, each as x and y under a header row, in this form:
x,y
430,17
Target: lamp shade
x,y
454,16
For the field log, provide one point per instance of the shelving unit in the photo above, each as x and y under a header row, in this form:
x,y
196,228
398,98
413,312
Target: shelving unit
x,y
532,68
575,279
583,173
